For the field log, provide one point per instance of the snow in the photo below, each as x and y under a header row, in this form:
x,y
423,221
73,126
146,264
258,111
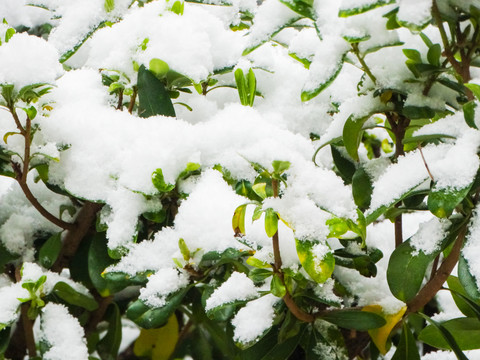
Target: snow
x,y
471,249
63,333
27,60
254,319
237,287
10,303
430,235
161,284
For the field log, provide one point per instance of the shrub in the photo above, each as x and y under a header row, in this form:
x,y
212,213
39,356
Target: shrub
x,y
226,180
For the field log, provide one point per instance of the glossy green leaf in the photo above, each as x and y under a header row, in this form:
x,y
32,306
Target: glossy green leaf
x,y
159,182
469,114
260,189
9,33
98,261
259,275
475,89
152,96
252,86
149,318
344,163
354,319
241,86
426,138
4,340
277,287
279,167
363,7
434,53
442,202
467,280
407,347
413,55
271,222
406,269
73,297
310,93
158,67
362,188
466,305
319,268
302,7
455,334
108,346
50,250
238,219
418,112
352,135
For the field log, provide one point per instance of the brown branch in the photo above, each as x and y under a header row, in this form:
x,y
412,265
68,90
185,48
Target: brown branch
x,y
98,314
28,330
132,100
435,284
86,217
425,162
120,100
17,120
35,203
398,229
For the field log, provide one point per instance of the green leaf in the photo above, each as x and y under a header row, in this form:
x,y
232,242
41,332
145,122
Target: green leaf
x,y
98,261
406,269
149,318
260,189
68,54
442,202
184,249
159,182
271,222
277,287
467,280
407,347
311,93
426,40
344,163
178,7
456,335
50,250
73,297
418,112
318,268
433,55
252,86
241,87
366,6
413,55
238,219
469,114
466,305
279,167
302,7
354,319
108,346
158,67
352,135
362,188
9,33
475,89
259,275
8,134
426,138
152,96
4,339
109,5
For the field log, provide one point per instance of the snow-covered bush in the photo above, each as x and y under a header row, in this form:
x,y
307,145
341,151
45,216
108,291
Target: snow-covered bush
x,y
221,179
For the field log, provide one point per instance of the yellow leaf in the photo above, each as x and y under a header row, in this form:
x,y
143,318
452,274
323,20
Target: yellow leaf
x,y
157,344
380,336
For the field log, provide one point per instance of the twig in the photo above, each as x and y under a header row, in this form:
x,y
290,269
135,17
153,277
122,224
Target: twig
x,y
365,67
426,165
132,100
28,330
35,203
435,284
98,314
120,100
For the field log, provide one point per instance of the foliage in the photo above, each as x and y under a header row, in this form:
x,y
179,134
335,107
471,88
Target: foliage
x,y
131,242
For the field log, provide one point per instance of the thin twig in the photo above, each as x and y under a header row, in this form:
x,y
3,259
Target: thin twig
x,y
120,100
426,165
132,100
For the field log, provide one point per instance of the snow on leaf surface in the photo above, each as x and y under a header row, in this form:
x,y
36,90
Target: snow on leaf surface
x,y
237,287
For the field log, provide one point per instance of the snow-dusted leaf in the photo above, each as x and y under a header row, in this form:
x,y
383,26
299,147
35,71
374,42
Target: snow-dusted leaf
x,y
302,7
353,7
466,278
442,202
316,259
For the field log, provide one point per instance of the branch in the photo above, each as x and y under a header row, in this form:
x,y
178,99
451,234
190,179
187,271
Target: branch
x,y
132,100
28,330
83,222
436,282
35,203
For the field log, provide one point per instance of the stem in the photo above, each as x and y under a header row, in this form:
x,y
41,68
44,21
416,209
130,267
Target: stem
x,y
365,67
35,203
120,100
98,314
277,269
28,330
83,222
435,284
17,120
426,165
132,100
398,229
